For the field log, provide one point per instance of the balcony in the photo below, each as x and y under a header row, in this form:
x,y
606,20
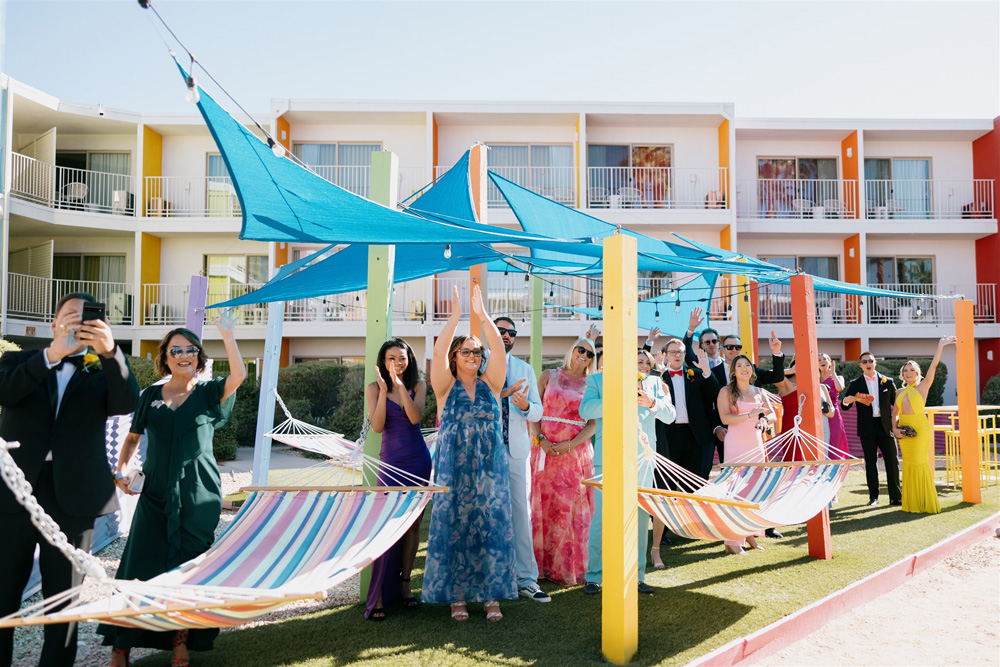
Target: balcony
x,y
775,305
929,199
792,198
166,304
34,299
357,179
70,189
657,187
555,183
191,197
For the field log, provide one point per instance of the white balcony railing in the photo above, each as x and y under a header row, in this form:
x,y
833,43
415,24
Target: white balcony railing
x,y
407,304
33,298
923,199
921,309
657,187
555,183
166,304
775,305
796,198
72,189
191,197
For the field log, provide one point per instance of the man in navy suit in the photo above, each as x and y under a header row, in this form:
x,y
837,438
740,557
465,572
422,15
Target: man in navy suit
x,y
55,404
875,426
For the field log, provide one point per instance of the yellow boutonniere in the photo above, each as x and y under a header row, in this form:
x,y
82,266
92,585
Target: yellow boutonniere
x,y
884,380
690,373
642,376
91,362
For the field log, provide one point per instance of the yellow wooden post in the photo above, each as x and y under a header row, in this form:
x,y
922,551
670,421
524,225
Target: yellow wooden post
x,y
743,297
968,412
620,597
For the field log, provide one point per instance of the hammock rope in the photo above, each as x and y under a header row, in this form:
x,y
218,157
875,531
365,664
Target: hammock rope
x,y
286,544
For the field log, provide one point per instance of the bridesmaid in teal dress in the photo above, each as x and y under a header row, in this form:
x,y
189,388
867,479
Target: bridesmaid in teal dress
x,y
470,544
181,500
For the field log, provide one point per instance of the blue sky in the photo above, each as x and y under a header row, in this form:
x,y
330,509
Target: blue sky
x,y
772,59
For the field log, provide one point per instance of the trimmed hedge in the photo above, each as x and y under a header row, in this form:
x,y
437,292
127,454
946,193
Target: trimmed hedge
x,y
889,367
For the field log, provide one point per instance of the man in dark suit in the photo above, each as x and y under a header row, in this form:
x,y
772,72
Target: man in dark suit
x,y
55,404
693,391
875,426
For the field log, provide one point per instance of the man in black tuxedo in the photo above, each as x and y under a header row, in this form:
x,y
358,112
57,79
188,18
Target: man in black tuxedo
x,y
55,404
693,391
875,426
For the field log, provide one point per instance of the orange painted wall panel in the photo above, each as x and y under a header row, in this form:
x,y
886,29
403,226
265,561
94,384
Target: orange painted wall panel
x,y
851,168
986,164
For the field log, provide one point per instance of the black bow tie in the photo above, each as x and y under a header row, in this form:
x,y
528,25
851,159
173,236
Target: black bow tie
x,y
75,360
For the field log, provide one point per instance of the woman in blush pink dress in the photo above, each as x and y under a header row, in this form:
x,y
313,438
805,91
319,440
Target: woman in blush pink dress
x,y
561,507
746,414
834,385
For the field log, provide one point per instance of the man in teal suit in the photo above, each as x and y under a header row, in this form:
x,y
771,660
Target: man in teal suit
x,y
653,405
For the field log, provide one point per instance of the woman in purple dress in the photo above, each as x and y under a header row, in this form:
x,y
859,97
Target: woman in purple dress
x,y
834,384
395,406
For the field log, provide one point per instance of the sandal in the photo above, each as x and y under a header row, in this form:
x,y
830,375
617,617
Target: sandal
x,y
735,551
180,639
409,601
654,555
378,614
459,612
752,542
123,652
492,609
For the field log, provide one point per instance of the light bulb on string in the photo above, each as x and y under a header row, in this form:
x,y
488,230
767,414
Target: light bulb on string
x,y
276,148
192,91
552,291
447,251
423,318
673,293
656,315
677,305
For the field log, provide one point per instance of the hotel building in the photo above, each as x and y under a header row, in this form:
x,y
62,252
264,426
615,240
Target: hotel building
x,y
129,205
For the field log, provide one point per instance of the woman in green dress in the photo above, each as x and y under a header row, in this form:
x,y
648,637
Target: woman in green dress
x,y
181,500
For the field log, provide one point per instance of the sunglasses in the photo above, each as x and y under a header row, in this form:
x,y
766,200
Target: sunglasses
x,y
866,362
733,347
466,352
709,342
178,352
580,349
508,332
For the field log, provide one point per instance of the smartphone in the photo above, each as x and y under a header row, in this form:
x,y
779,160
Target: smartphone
x,y
93,311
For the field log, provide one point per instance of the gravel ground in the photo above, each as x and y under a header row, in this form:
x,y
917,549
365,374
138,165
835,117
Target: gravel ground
x,y
28,641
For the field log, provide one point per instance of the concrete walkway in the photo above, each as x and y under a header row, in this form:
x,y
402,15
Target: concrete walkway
x,y
283,457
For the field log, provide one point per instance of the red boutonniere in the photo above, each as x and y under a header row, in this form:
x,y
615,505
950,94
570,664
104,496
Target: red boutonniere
x,y
91,362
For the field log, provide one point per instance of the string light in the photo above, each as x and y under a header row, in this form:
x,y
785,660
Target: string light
x,y
677,305
193,96
447,251
656,315
276,148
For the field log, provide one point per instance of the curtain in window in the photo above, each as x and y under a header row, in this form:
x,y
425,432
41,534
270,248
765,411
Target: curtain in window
x,y
552,172
608,167
316,155
881,270
911,187
354,167
219,191
113,170
878,173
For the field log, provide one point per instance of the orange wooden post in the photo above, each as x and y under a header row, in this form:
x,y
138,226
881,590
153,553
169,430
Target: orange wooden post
x,y
968,412
807,377
477,274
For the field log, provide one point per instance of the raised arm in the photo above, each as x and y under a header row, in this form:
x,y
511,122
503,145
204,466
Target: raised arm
x,y
925,385
375,395
441,377
693,322
496,366
237,370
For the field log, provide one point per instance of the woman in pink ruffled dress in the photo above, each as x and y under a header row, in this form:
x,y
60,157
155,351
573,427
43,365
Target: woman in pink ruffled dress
x,y
561,507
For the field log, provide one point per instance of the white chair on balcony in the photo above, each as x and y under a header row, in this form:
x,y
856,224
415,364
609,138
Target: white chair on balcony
x,y
630,197
886,308
800,207
74,194
597,197
834,208
895,208
563,196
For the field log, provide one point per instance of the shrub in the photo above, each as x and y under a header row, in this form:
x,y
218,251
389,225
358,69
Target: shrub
x,y
7,346
991,392
144,372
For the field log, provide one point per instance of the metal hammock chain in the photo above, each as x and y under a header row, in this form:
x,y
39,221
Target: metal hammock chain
x,y
14,478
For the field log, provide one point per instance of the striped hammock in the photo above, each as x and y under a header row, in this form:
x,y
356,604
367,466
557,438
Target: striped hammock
x,y
748,496
286,544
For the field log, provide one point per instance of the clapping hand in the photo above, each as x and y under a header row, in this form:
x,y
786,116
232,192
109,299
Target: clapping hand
x,y
456,302
702,361
697,317
381,382
477,302
645,399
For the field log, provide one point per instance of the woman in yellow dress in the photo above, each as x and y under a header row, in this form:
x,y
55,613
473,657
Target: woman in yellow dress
x,y
916,437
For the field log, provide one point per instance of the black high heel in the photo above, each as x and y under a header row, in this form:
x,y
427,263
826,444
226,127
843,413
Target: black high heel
x,y
409,601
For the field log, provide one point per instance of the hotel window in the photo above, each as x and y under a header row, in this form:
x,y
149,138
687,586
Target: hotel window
x,y
628,175
914,275
100,275
900,270
344,164
824,267
775,300
230,276
220,195
898,187
792,186
543,168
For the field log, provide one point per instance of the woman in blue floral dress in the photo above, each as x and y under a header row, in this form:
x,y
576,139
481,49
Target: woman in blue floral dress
x,y
470,545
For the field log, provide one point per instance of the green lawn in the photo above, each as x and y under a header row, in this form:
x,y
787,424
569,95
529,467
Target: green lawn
x,y
702,601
